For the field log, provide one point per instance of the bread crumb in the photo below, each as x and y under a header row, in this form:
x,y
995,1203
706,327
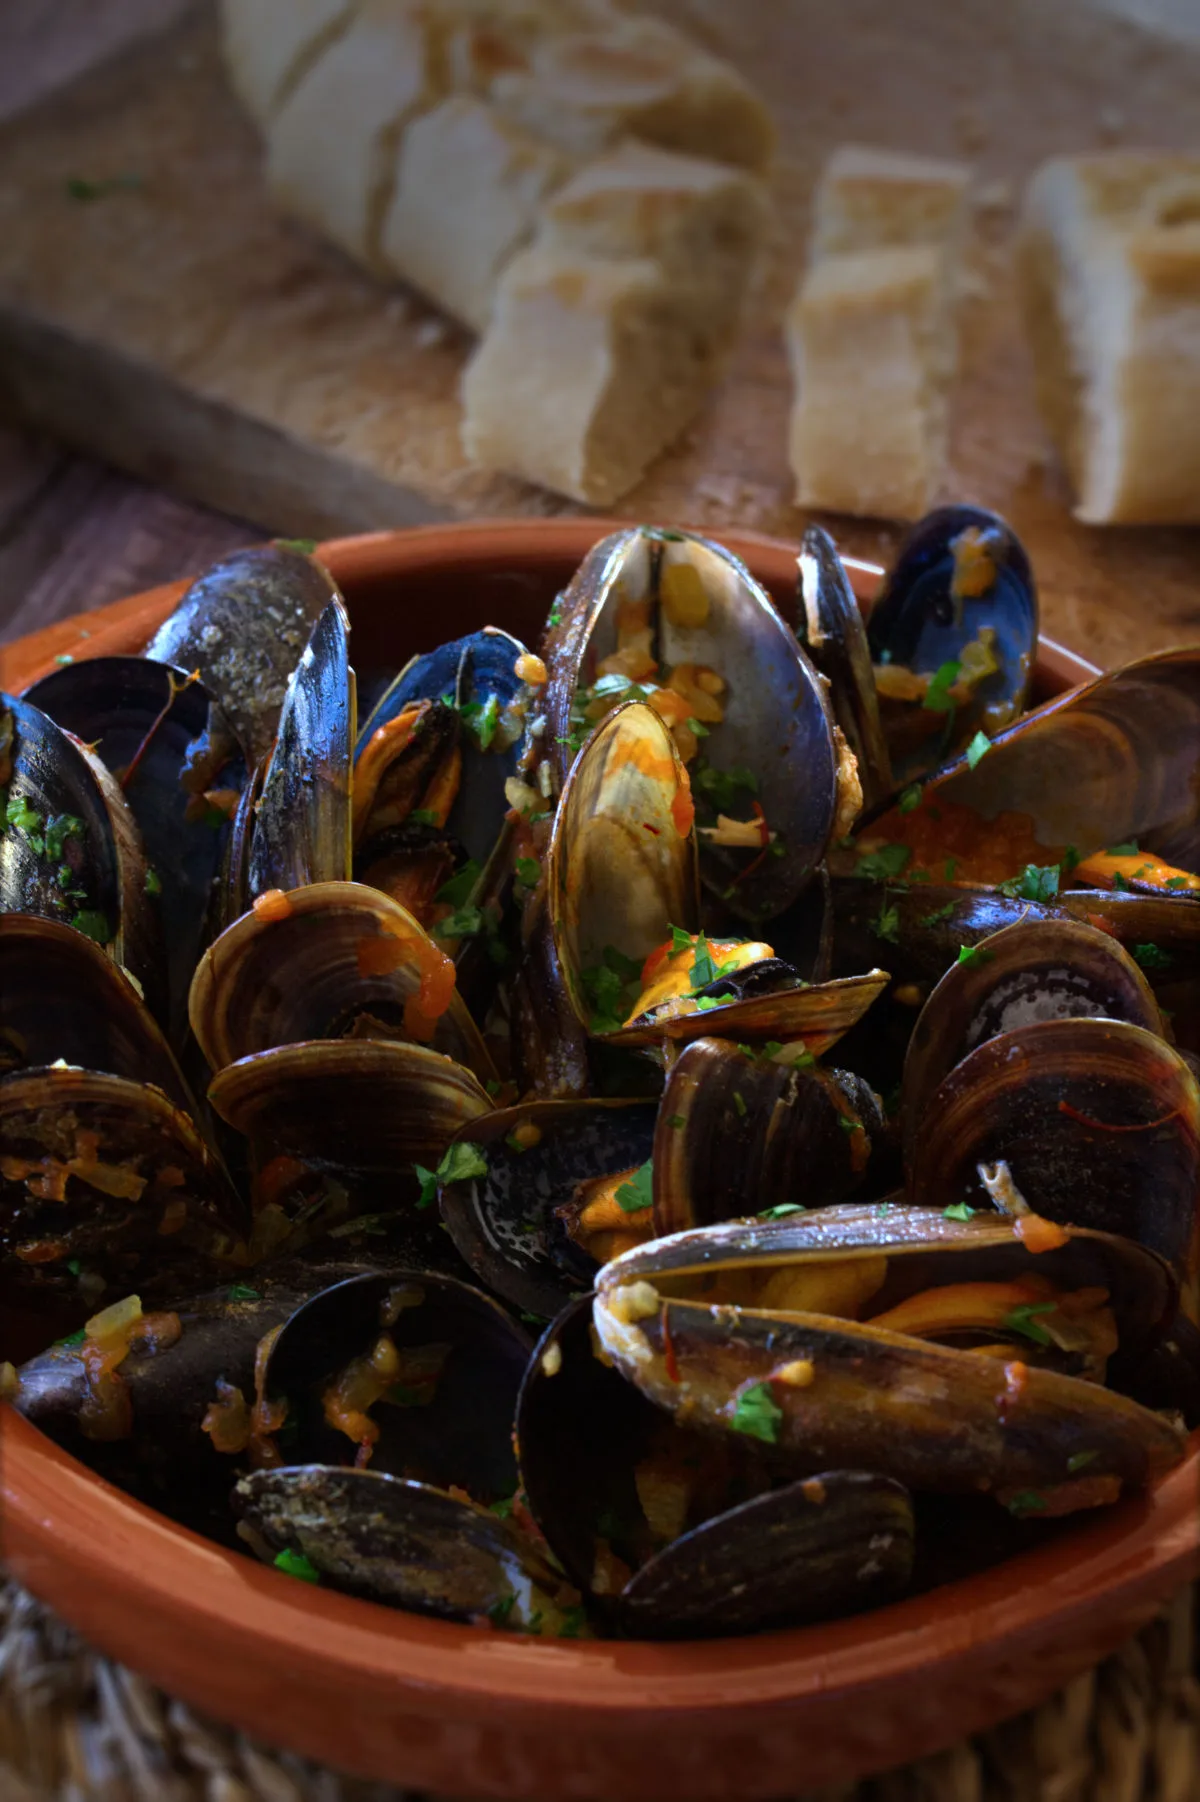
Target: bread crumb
x,y
431,332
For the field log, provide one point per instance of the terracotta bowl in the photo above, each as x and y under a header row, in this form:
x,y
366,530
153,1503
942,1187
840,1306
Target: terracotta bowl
x,y
392,1696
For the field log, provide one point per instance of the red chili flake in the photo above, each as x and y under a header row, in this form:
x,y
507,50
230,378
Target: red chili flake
x,y
647,827
1103,1126
669,1358
765,840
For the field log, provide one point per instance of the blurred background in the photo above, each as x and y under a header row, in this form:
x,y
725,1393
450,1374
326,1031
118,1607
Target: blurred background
x,y
184,367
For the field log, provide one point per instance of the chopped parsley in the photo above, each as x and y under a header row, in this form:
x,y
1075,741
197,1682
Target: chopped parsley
x,y
81,187
153,883
463,923
75,1267
295,1564
574,1620
455,892
950,869
305,545
528,869
724,790
697,728
938,915
64,657
93,925
1129,850
26,820
979,746
481,718
72,1339
959,1210
1023,1319
242,1292
885,864
886,924
680,941
1037,882
1027,1502
638,1191
423,816
461,1163
503,1508
605,988
499,1611
676,1121
910,798
1081,1460
739,1103
974,954
782,1209
1119,881
59,828
1152,957
756,1414
554,617
937,696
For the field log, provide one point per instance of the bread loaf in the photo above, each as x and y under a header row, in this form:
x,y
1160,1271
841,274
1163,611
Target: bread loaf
x,y
469,186
1109,263
870,199
868,342
332,147
590,366
269,44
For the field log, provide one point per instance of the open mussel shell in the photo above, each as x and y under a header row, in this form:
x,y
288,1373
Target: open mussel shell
x,y
1097,1121
243,625
740,1132
548,1040
302,831
343,961
447,1416
960,572
1037,970
406,1544
775,719
812,1017
108,1175
62,999
365,1109
1162,932
1107,764
71,851
477,672
506,1225
829,624
621,867
708,1541
166,742
684,1318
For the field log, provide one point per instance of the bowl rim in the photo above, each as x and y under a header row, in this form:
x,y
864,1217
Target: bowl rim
x,y
90,1550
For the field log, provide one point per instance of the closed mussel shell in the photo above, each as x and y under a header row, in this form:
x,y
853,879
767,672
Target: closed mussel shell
x,y
303,825
243,625
409,1545
1033,971
829,624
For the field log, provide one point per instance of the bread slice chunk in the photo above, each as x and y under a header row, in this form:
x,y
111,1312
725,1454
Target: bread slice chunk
x,y
704,222
468,188
269,44
332,147
871,347
591,366
1109,266
638,77
870,199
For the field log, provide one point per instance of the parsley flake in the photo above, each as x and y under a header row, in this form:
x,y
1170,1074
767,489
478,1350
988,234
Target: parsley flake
x,y
1129,850
755,1413
305,545
910,798
460,886
886,924
781,1210
1153,957
974,954
739,1103
242,1292
937,696
528,870
959,1210
1027,1502
1081,1460
462,1163
979,746
884,864
938,915
638,1191
295,1564
1037,882
1023,1319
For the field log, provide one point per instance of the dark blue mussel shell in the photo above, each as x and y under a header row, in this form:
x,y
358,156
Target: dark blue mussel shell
x,y
467,672
921,623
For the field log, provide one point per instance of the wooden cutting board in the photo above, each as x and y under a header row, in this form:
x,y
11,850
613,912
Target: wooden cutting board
x,y
177,326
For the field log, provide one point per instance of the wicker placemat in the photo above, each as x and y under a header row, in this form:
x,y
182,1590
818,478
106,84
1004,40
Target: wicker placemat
x,y
76,1728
